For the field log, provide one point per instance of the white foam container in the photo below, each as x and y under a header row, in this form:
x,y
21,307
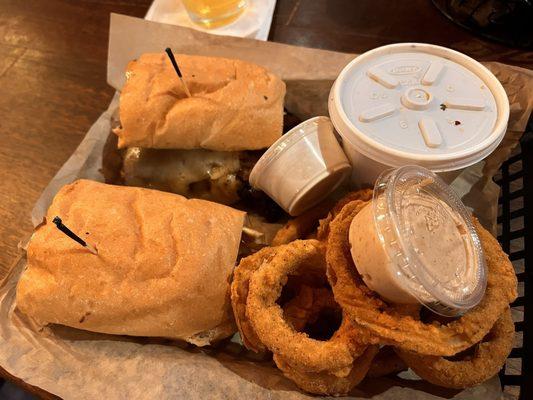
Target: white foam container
x,y
302,167
413,103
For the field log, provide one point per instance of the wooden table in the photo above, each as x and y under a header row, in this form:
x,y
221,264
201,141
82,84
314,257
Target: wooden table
x,y
53,75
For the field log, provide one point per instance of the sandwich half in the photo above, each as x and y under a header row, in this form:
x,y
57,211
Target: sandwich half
x,y
163,265
202,146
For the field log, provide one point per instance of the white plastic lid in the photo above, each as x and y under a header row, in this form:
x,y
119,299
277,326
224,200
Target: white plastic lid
x,y
429,237
421,104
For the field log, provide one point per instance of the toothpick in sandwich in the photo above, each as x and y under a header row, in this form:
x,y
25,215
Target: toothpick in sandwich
x,y
59,223
168,50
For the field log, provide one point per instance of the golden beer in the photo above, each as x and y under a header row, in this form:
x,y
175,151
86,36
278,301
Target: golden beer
x,y
214,13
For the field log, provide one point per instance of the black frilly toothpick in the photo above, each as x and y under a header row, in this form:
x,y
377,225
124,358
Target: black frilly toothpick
x,y
59,223
170,55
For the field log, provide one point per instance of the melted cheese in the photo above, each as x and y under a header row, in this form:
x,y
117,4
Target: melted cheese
x,y
210,175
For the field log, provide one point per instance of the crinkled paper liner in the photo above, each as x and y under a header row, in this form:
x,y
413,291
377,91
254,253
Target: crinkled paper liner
x,y
75,364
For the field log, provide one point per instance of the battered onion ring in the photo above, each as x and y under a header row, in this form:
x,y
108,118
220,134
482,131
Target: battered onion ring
x,y
239,294
394,327
386,362
314,275
303,309
489,356
325,383
336,355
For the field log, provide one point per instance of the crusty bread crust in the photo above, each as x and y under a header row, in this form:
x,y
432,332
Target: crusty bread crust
x,y
163,266
235,105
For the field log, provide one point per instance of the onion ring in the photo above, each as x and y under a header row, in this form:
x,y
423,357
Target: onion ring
x,y
489,356
315,275
239,294
393,326
336,355
303,309
326,383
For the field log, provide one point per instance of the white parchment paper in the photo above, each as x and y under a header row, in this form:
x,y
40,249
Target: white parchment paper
x,y
75,364
82,365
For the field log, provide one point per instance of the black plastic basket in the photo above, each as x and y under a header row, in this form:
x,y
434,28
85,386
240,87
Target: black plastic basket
x,y
515,179
504,21
515,204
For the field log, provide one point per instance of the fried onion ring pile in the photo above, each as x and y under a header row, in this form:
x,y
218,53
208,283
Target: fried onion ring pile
x,y
390,324
454,353
325,383
331,366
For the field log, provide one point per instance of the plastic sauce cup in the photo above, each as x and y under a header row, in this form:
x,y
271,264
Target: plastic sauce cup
x,y
415,242
302,167
421,104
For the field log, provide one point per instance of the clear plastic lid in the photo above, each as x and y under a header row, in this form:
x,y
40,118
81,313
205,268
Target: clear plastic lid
x,y
428,234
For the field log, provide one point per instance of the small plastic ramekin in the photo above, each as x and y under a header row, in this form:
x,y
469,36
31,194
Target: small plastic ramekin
x,y
302,167
409,258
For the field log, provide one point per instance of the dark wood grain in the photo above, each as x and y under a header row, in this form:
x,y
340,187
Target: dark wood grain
x,y
53,84
360,25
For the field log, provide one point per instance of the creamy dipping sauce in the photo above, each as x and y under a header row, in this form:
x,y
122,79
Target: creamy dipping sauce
x,y
371,259
415,243
439,239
